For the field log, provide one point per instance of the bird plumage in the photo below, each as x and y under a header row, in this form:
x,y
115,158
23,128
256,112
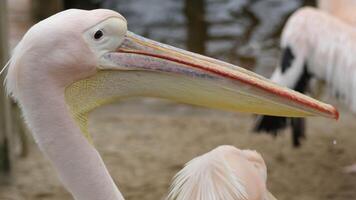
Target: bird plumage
x,y
224,173
319,46
342,9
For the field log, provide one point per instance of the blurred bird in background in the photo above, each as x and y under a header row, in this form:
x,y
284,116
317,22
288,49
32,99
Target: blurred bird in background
x,y
317,44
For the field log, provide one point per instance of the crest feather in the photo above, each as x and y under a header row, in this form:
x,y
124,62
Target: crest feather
x,y
207,177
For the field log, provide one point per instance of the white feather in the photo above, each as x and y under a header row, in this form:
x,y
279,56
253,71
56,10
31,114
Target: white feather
x,y
328,46
208,177
5,66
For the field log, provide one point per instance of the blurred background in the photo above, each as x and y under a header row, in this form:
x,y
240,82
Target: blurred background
x,y
146,141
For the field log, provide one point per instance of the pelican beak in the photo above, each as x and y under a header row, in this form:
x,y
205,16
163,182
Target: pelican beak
x,y
270,196
195,79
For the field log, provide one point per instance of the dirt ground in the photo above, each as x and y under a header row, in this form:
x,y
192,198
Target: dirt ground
x,y
145,142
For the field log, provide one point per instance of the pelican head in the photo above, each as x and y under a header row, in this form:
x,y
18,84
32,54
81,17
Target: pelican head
x,y
223,173
94,59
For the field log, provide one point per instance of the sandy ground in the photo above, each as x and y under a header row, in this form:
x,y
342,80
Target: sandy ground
x,y
145,142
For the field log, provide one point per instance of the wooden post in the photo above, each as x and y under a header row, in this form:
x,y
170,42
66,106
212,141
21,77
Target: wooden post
x,y
309,3
196,25
5,114
42,9
82,4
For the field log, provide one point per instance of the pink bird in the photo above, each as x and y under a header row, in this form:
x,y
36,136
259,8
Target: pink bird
x,y
342,9
68,64
321,45
346,11
224,173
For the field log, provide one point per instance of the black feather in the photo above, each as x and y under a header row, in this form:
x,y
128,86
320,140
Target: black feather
x,y
271,124
287,59
298,131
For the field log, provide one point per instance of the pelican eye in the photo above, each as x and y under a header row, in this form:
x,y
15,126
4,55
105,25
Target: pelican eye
x,y
98,34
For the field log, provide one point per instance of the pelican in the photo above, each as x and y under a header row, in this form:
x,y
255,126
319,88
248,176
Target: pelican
x,y
342,9
316,45
224,173
75,61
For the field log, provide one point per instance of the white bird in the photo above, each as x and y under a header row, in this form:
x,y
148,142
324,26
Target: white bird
x,y
346,11
342,9
224,173
77,60
321,46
